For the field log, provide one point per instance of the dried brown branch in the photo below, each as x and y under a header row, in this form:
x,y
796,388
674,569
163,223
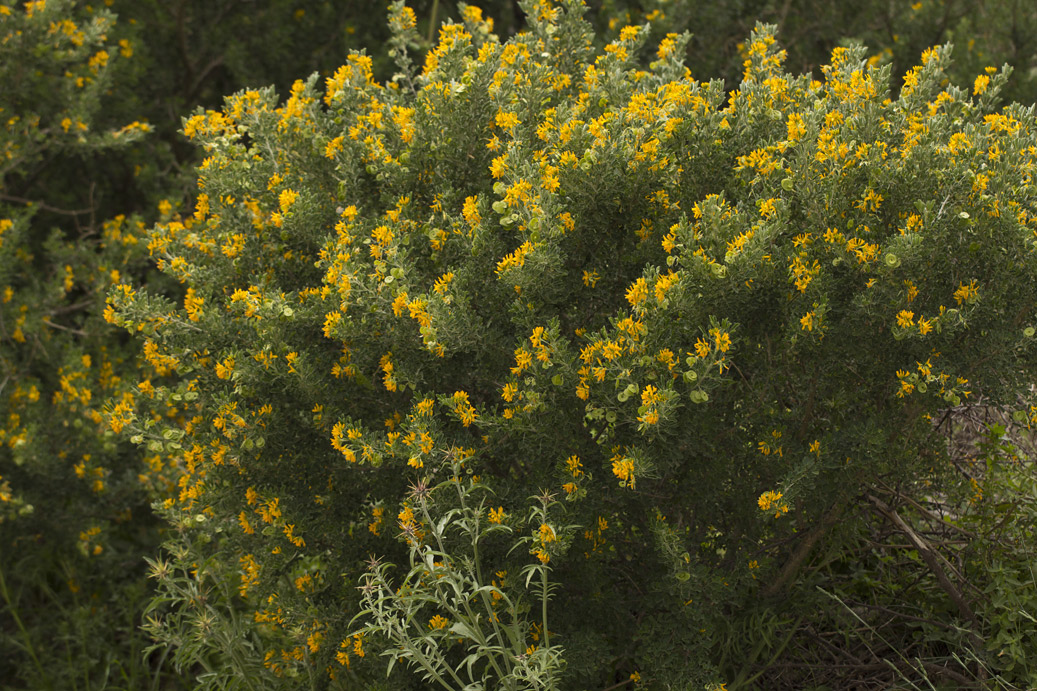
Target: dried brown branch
x,y
933,560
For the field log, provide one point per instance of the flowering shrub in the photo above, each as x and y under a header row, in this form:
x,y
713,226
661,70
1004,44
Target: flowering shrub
x,y
895,33
705,322
73,501
59,355
85,109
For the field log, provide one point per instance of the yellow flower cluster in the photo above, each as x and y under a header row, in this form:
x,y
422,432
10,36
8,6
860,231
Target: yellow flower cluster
x,y
772,501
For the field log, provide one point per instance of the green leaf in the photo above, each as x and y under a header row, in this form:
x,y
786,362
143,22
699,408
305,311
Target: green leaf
x,y
462,629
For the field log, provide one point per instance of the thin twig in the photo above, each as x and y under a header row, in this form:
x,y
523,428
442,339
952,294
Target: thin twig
x,y
940,520
44,206
65,328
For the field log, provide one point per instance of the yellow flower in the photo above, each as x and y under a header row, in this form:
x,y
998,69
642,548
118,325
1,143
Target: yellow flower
x,y
499,166
796,127
767,208
722,339
438,622
523,359
333,147
650,418
404,19
966,293
772,501
628,33
286,199
623,468
442,283
507,121
638,292
225,369
650,395
610,351
193,305
463,408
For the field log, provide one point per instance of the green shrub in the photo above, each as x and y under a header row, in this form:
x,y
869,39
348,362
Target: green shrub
x,y
895,33
74,504
77,185
699,325
1001,514
88,111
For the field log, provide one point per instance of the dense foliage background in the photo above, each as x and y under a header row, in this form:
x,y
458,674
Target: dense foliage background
x,y
915,568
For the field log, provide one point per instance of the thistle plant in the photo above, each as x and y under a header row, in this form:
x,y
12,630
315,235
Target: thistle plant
x,y
463,624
